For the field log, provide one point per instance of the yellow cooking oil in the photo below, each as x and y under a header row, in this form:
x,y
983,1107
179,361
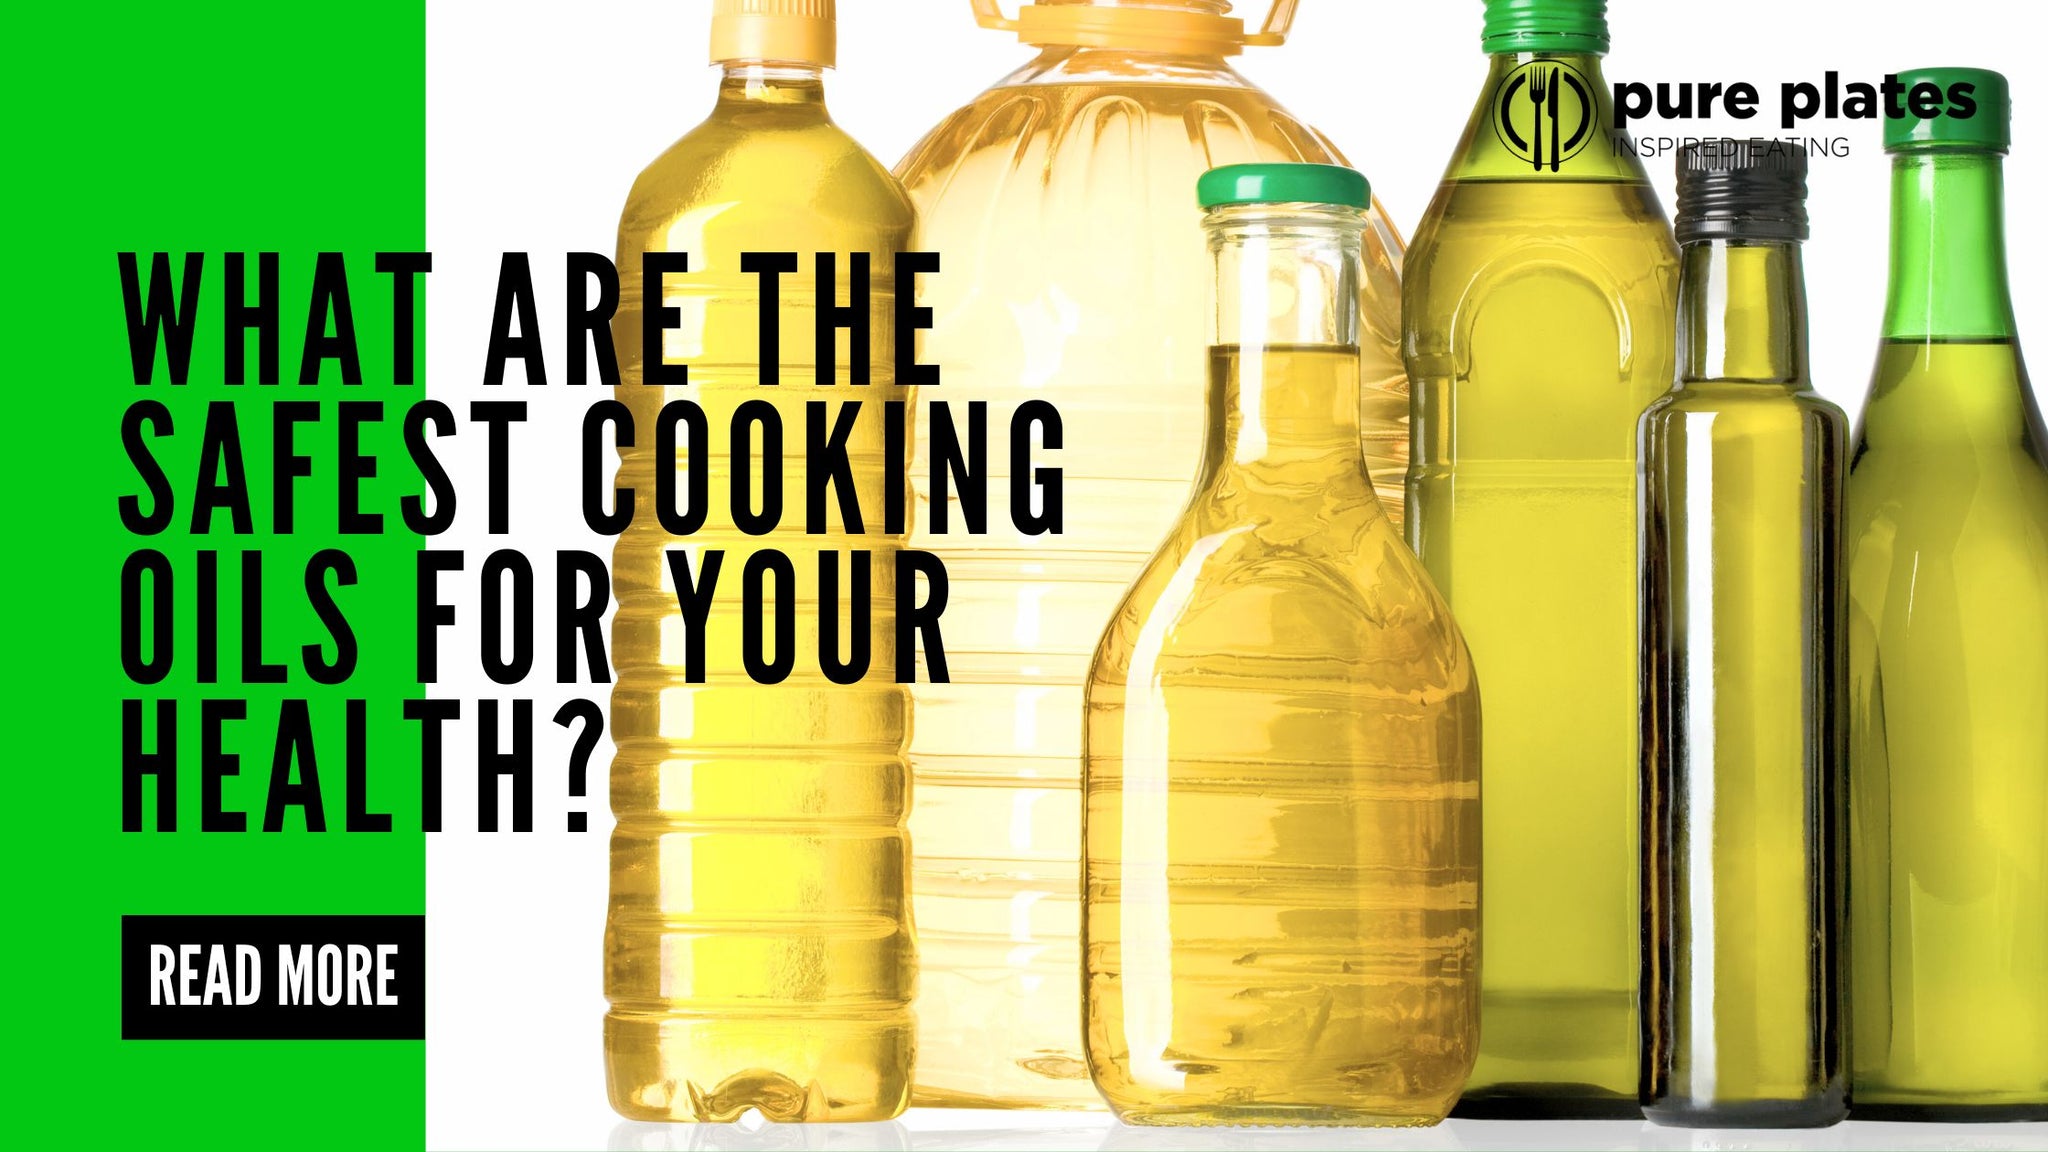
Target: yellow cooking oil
x,y
1283,814
1061,203
1282,788
758,949
1540,319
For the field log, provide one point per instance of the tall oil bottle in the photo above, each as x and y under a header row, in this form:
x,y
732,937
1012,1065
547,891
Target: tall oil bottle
x,y
1538,323
1948,647
758,951
1744,672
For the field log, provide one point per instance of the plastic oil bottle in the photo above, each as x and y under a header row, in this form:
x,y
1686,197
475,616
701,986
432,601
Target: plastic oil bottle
x,y
1281,855
758,951
1074,273
1948,647
1744,672
1539,323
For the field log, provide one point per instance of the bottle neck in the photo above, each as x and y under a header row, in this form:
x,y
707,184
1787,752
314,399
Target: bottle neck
x,y
782,85
1123,64
1948,273
1742,312
1287,281
1545,115
1502,65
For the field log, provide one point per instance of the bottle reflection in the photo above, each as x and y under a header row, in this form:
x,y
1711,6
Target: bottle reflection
x,y
1091,1132
1130,1138
752,1135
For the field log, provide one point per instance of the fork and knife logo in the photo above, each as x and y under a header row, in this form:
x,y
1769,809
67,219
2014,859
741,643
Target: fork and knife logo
x,y
1543,113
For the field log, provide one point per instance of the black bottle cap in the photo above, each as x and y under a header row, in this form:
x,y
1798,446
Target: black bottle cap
x,y
1741,190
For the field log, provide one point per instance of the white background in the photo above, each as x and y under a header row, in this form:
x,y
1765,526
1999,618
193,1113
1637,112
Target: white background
x,y
539,116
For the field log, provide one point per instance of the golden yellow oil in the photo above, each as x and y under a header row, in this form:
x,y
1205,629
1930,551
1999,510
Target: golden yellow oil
x,y
1063,205
1282,795
758,951
1540,324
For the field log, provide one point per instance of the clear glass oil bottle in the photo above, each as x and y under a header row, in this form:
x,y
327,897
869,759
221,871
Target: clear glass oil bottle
x,y
1744,673
1539,317
1074,273
1948,645
1282,743
758,951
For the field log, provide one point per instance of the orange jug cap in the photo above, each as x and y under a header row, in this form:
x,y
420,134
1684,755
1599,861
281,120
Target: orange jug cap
x,y
1196,27
786,31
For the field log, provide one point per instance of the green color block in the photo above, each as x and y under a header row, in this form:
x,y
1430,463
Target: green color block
x,y
239,127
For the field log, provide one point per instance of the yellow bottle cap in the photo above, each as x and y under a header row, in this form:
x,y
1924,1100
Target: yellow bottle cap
x,y
1195,27
789,31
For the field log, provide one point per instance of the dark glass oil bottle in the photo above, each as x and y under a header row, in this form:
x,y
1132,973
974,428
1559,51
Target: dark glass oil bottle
x,y
1743,672
1948,647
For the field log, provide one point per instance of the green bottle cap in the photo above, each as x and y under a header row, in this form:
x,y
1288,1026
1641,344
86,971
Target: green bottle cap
x,y
1545,26
1975,111
1283,184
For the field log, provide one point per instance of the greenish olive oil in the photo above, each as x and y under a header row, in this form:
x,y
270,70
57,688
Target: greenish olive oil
x,y
1539,321
1948,649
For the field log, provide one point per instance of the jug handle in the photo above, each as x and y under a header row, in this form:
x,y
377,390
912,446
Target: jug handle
x,y
989,14
1274,31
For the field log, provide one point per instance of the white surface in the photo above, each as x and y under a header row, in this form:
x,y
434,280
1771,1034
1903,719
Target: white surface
x,y
538,117
937,1130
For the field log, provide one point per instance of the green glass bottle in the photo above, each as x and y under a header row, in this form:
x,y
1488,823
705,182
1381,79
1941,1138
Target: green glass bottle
x,y
1538,324
1744,745
1948,643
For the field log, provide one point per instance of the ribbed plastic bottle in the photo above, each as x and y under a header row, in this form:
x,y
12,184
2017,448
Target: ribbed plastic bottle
x,y
1948,646
1539,323
1744,672
758,951
1281,869
1074,273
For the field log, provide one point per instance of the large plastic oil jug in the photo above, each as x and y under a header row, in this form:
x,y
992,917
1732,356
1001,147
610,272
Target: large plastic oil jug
x,y
1073,272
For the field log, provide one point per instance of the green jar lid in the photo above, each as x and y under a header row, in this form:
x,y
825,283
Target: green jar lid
x,y
1545,26
1976,111
1283,184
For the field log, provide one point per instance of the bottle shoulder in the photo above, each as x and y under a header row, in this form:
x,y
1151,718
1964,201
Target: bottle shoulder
x,y
1556,256
1556,303
1750,400
1251,589
1474,220
1546,119
1061,122
1043,145
794,170
1948,394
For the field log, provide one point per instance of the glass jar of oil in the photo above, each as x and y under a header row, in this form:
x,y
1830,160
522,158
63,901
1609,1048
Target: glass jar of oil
x,y
1281,796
